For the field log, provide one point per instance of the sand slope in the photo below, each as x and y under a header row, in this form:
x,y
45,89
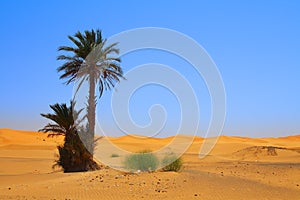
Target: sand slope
x,y
237,168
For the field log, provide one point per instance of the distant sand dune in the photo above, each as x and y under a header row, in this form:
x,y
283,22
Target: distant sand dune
x,y
267,153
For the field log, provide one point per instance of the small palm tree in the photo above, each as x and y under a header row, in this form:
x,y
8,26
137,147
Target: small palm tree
x,y
73,156
93,61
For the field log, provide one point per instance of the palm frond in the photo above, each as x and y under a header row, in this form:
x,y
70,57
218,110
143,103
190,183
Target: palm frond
x,y
110,49
79,44
66,48
69,58
54,128
64,119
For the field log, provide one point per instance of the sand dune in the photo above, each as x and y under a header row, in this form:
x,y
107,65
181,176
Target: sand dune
x,y
237,168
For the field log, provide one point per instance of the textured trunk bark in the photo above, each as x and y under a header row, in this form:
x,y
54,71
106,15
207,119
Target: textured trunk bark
x,y
91,113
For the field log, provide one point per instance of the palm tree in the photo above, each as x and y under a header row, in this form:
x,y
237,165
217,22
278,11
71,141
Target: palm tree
x,y
73,156
93,61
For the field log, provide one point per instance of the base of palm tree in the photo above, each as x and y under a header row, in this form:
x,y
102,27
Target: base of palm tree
x,y
74,157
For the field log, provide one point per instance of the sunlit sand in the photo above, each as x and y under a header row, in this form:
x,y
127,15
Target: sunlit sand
x,y
237,168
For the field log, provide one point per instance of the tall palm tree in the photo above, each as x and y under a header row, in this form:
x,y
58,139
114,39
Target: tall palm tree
x,y
73,156
94,61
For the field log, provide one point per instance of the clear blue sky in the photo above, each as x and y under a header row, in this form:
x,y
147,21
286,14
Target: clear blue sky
x,y
255,44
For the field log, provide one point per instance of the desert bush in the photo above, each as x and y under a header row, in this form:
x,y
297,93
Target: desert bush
x,y
143,161
172,163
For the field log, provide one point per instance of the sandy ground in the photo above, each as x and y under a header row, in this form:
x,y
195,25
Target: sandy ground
x,y
237,168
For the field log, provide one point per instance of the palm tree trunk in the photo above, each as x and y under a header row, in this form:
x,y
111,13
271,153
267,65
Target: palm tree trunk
x,y
91,114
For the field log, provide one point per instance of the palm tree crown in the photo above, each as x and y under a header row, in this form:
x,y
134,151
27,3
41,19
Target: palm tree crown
x,y
91,56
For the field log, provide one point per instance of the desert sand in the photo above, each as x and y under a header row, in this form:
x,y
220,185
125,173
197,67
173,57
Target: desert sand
x,y
237,168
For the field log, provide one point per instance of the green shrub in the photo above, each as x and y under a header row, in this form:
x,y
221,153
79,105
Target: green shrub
x,y
172,163
143,161
114,155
